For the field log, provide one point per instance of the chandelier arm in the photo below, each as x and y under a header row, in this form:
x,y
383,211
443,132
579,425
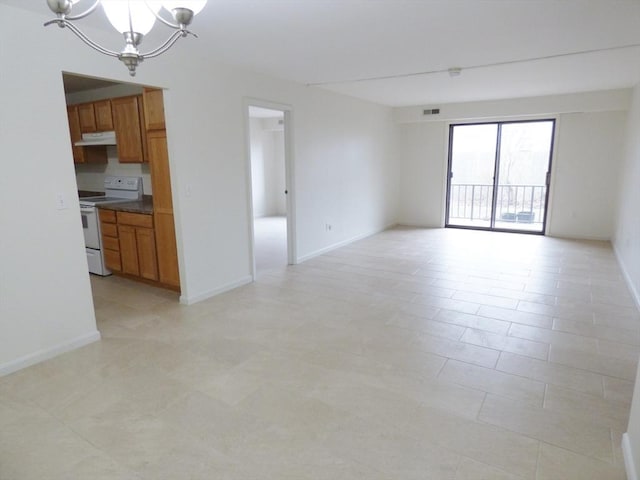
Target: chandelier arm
x,y
166,45
86,13
64,23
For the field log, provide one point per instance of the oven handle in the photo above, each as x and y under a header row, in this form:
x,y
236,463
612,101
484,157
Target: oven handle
x,y
87,210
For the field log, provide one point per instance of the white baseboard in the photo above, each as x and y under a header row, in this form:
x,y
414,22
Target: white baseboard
x,y
629,464
625,273
216,291
47,353
342,243
419,225
591,238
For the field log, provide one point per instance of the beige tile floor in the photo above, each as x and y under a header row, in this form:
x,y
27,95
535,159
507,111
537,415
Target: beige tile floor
x,y
413,354
270,244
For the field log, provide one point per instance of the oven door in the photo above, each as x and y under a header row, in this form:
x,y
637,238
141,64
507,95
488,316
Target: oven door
x,y
90,227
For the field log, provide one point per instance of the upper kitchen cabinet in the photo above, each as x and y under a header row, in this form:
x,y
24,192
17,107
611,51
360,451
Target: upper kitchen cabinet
x,y
96,154
104,118
76,133
127,123
95,116
87,117
153,109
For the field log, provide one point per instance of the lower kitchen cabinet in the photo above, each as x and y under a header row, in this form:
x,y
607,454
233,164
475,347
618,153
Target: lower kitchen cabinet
x,y
110,243
129,244
137,245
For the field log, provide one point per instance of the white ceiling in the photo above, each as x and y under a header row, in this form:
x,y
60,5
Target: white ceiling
x,y
506,48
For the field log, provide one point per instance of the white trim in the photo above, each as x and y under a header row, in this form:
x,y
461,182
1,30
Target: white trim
x,y
216,291
591,238
629,464
419,225
335,246
632,288
47,353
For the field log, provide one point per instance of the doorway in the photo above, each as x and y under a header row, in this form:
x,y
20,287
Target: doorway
x,y
270,211
499,174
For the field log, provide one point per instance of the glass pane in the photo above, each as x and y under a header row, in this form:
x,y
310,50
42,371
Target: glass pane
x,y
524,162
473,155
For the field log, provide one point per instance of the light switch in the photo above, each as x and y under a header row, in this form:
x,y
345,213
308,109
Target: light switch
x,y
61,202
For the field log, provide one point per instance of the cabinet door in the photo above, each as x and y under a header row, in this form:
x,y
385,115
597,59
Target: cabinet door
x,y
153,109
143,134
128,250
147,261
126,123
104,119
167,250
87,117
76,134
112,260
160,175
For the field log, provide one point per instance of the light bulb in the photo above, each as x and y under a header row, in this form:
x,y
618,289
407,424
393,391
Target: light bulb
x,y
195,6
131,15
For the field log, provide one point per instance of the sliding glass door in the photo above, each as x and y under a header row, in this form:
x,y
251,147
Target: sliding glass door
x,y
498,175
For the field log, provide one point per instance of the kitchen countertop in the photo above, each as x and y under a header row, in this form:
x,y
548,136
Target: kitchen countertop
x,y
137,206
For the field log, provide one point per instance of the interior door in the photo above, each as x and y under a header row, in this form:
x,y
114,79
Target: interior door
x,y
499,175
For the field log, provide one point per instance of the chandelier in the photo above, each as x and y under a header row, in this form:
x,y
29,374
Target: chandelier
x,y
133,19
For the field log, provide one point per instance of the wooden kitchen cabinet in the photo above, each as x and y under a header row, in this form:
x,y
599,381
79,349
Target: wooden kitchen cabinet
x,y
153,109
127,125
94,154
110,240
87,117
76,134
163,208
104,118
137,245
147,256
128,250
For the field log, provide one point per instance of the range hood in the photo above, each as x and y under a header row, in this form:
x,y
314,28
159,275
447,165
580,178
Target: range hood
x,y
99,138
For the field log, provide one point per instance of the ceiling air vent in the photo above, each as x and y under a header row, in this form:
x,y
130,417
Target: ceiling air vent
x,y
431,111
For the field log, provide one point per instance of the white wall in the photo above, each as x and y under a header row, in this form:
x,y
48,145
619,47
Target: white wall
x,y
585,174
585,164
278,179
267,169
344,171
626,243
423,150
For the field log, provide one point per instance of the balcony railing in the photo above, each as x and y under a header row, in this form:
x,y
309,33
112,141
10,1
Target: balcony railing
x,y
522,204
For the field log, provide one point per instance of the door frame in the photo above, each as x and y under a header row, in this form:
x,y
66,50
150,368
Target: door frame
x,y
548,180
289,166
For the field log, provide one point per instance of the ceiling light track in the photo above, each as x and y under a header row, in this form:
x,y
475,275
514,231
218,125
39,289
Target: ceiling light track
x,y
455,71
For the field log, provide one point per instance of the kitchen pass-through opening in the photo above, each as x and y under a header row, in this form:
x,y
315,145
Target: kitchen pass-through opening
x,y
499,174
